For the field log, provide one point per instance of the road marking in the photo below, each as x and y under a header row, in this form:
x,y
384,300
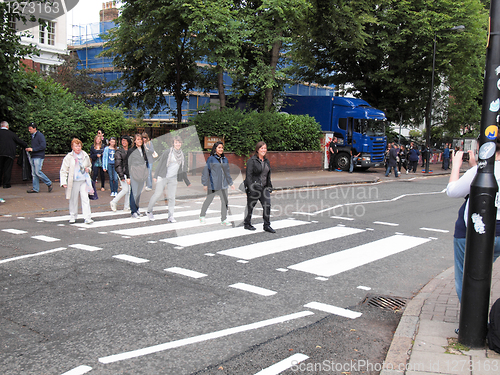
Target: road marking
x,y
45,238
130,220
202,338
80,370
81,246
319,278
333,264
53,219
130,258
342,218
217,235
385,223
435,230
364,287
152,229
333,310
253,289
14,231
185,272
256,250
283,365
32,255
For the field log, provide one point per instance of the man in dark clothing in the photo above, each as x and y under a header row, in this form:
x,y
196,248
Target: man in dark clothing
x,y
8,142
393,161
37,150
332,151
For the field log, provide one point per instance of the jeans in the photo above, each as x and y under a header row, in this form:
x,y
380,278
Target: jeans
x,y
136,187
459,250
171,184
223,202
113,178
36,172
149,181
125,192
388,172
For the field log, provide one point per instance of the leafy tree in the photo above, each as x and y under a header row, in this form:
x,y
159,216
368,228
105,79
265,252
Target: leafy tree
x,y
154,47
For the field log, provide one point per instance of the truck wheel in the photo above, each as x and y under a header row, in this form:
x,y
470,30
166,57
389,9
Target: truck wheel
x,y
343,161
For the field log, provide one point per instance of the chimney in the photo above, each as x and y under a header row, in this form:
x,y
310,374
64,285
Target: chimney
x,y
109,11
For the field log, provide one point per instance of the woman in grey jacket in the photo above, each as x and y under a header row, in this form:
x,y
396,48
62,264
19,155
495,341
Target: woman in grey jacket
x,y
171,169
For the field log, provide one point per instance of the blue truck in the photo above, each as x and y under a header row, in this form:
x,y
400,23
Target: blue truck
x,y
353,121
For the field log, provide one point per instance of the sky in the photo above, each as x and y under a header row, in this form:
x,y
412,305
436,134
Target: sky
x,y
85,12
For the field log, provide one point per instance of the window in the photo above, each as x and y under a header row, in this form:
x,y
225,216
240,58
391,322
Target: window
x,y
47,34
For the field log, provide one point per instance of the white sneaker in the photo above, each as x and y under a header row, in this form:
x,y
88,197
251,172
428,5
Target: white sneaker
x,y
72,220
202,220
112,205
148,189
136,215
226,223
150,215
89,221
171,220
407,171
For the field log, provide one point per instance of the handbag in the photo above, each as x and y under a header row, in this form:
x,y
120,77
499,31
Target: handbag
x,y
93,196
243,186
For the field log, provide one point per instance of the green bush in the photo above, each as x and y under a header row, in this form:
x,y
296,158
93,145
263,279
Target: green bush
x,y
242,130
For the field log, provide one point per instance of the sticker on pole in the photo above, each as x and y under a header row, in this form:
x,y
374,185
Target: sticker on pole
x,y
32,11
487,150
479,226
495,105
491,132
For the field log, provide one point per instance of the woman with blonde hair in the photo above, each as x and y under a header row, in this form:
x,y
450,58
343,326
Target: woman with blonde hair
x,y
75,178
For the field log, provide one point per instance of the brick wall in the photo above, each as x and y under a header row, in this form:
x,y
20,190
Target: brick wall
x,y
280,161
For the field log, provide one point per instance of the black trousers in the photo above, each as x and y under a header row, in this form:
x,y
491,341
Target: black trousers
x,y
257,193
5,170
102,177
223,202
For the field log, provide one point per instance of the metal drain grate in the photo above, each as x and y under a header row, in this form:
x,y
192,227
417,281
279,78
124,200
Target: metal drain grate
x,y
385,302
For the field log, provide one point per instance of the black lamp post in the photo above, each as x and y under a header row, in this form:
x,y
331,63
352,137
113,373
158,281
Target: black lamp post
x,y
429,116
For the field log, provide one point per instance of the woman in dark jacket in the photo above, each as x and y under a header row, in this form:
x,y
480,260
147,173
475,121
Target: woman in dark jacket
x,y
121,167
138,169
96,151
259,187
215,180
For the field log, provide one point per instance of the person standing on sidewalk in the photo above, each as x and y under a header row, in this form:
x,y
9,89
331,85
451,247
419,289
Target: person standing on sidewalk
x,y
121,166
171,168
459,187
446,157
108,164
8,142
258,181
332,153
413,155
215,180
75,178
138,168
37,149
392,163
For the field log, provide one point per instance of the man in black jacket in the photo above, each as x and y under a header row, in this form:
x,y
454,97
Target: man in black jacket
x,y
8,142
37,150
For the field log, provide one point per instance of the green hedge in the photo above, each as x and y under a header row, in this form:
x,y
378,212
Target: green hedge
x,y
242,130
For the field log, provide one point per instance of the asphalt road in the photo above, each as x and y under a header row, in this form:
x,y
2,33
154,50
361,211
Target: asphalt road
x,y
128,296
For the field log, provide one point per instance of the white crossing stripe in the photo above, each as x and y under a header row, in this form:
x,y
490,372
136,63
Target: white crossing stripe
x,y
54,219
435,230
45,238
152,229
81,246
253,289
80,370
222,234
278,245
283,365
14,231
32,255
185,272
333,264
130,220
130,258
385,223
201,338
333,310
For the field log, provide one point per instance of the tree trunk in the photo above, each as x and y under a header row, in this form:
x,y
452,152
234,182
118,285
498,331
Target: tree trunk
x,y
268,93
220,88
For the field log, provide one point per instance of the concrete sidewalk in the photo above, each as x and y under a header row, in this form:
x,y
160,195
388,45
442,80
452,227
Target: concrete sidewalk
x,y
426,331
